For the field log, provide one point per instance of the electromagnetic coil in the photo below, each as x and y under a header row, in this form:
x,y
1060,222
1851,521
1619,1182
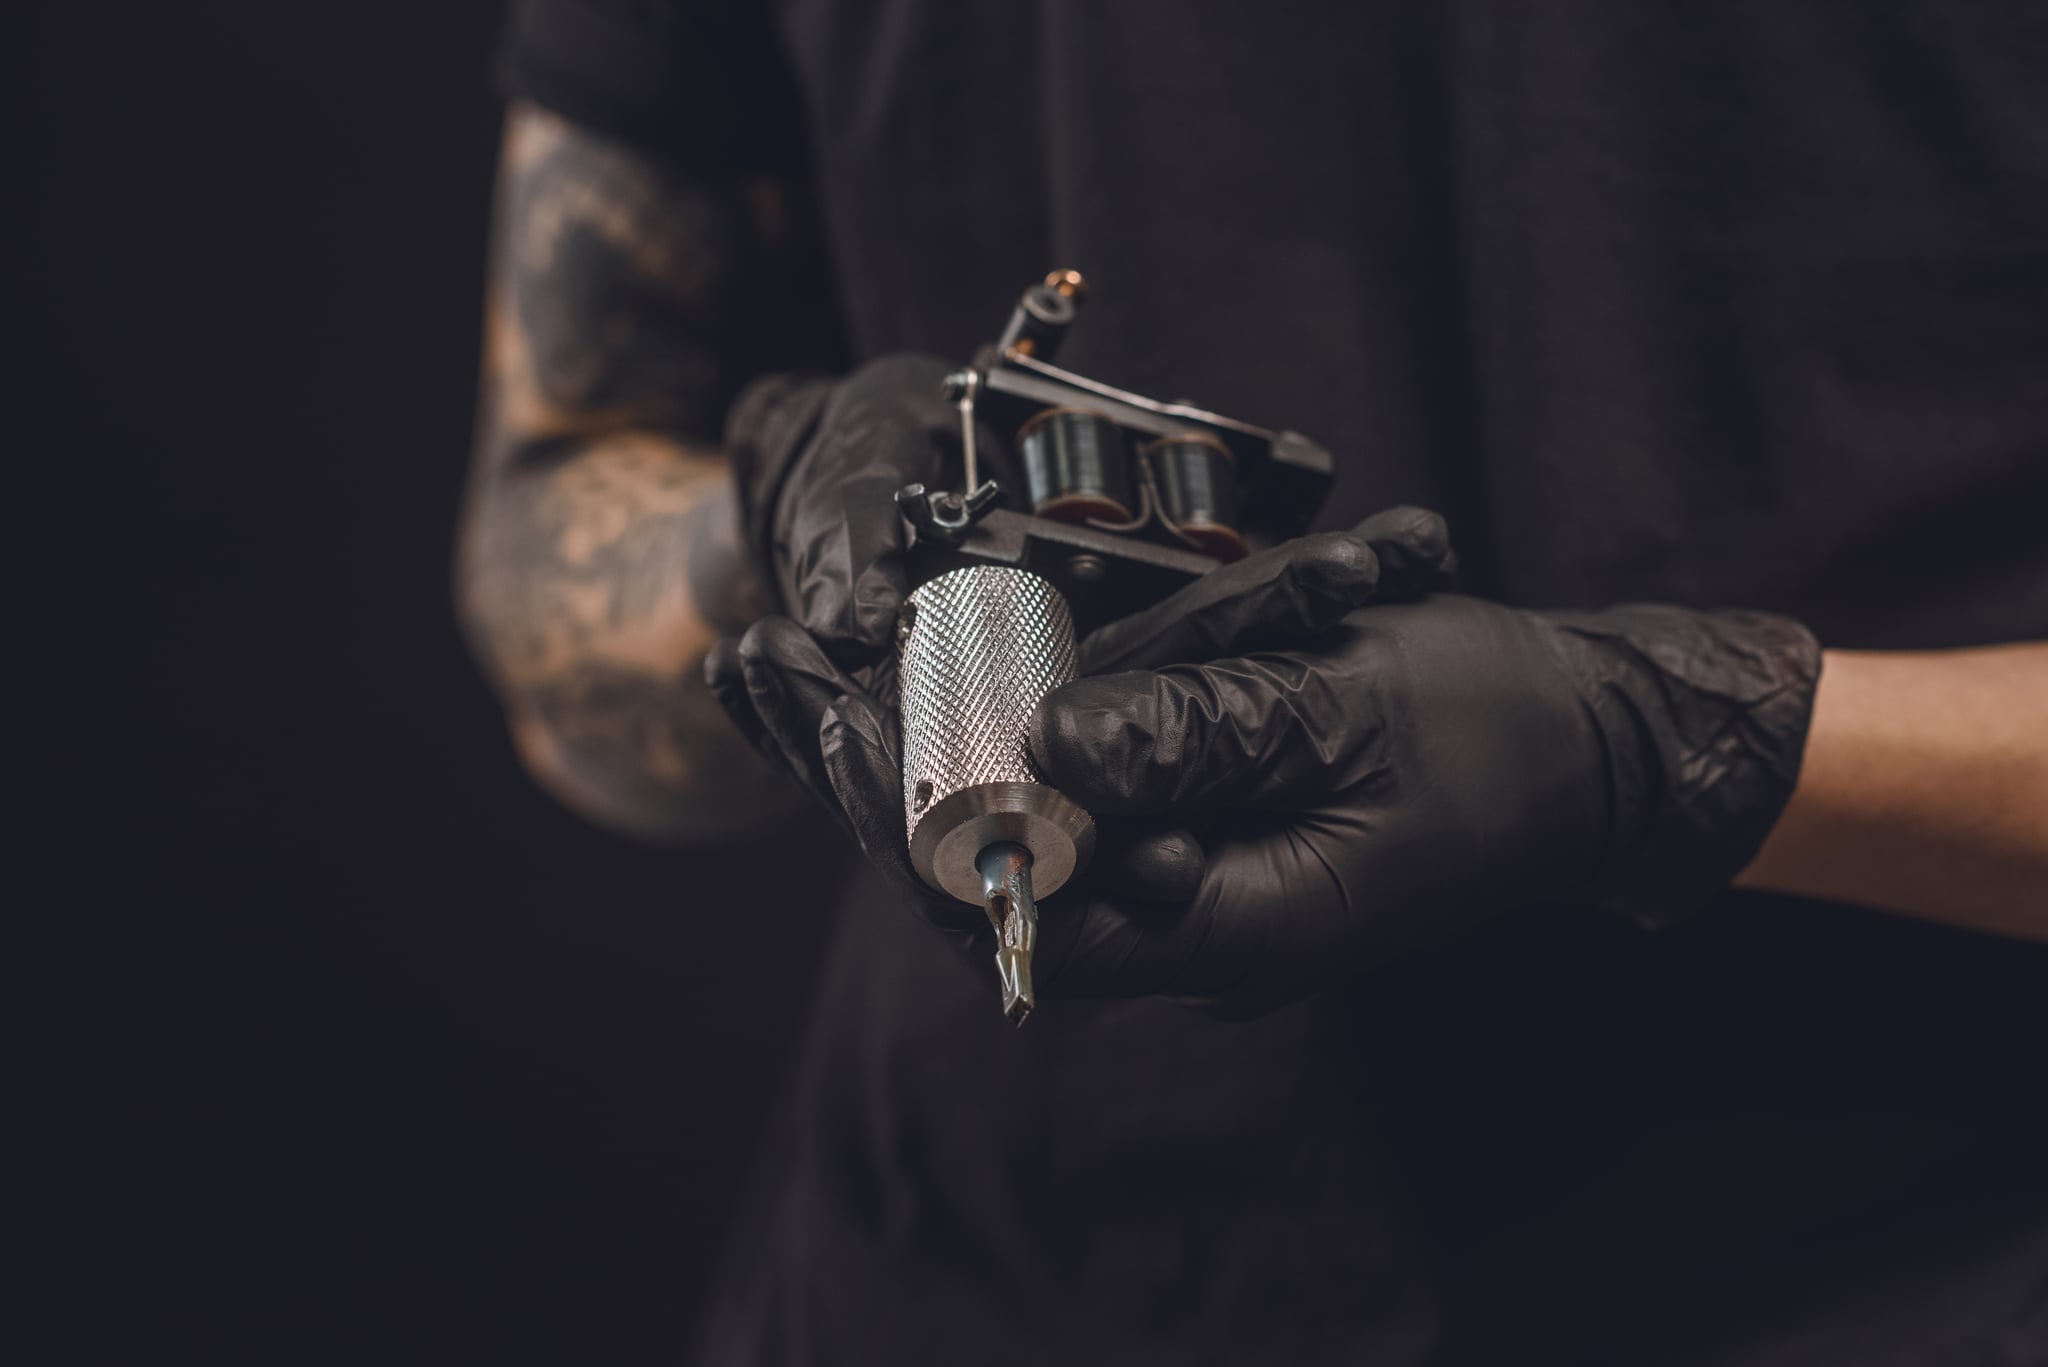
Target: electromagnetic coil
x,y
1076,467
1197,481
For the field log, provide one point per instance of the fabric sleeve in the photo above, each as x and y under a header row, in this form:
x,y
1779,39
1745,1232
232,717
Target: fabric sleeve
x,y
705,84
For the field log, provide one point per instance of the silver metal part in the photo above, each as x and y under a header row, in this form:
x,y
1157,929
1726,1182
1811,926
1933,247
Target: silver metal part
x,y
979,648
1185,412
1006,896
970,385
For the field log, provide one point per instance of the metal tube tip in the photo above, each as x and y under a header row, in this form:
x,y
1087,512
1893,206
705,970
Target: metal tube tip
x,y
1013,966
1013,911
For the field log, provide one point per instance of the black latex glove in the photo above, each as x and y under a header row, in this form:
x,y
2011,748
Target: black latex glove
x,y
1429,764
842,736
818,463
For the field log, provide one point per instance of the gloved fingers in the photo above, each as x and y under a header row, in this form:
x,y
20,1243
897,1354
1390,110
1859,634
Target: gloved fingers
x,y
840,559
1298,587
1230,733
1101,946
1095,947
769,423
790,683
1217,952
861,748
907,382
1147,861
1280,924
839,538
728,684
910,389
1414,550
859,622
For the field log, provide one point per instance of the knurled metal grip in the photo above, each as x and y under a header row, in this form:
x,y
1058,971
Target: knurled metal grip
x,y
979,648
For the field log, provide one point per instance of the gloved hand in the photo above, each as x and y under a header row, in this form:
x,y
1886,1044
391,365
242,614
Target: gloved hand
x,y
818,463
841,735
1426,765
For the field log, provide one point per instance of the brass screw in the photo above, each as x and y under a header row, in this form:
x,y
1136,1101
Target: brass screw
x,y
1068,284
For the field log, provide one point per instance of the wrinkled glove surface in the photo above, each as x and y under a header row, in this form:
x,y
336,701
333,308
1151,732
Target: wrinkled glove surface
x,y
1361,781
818,463
1426,765
840,733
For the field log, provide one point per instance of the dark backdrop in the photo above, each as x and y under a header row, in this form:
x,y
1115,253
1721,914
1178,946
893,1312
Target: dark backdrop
x,y
329,1037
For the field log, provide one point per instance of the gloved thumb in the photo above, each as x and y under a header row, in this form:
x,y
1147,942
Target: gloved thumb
x,y
1297,589
1193,738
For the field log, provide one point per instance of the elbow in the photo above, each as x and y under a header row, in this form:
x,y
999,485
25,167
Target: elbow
x,y
472,602
623,731
634,777
552,756
619,802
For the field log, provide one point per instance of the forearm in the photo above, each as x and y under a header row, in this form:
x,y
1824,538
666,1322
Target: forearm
x,y
1924,790
593,589
599,560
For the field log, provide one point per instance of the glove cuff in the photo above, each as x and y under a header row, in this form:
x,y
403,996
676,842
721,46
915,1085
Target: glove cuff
x,y
1704,716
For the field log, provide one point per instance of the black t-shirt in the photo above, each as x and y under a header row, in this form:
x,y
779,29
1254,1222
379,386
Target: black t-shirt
x,y
1732,305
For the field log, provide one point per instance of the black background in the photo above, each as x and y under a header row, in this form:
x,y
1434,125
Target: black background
x,y
330,1036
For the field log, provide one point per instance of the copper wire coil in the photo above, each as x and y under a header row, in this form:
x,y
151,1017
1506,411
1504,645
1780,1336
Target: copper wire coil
x,y
1196,476
1077,468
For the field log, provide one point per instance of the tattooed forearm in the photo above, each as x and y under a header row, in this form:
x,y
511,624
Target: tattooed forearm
x,y
645,755
635,293
579,583
601,556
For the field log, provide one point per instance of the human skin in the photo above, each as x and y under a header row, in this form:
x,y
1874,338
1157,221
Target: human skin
x,y
599,561
1923,789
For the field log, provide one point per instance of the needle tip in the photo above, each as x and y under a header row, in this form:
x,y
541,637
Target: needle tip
x,y
1014,966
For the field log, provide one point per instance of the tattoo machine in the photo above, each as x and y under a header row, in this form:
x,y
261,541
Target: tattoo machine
x,y
1118,500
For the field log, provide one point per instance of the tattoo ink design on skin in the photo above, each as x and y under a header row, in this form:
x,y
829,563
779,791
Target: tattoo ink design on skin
x,y
601,559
